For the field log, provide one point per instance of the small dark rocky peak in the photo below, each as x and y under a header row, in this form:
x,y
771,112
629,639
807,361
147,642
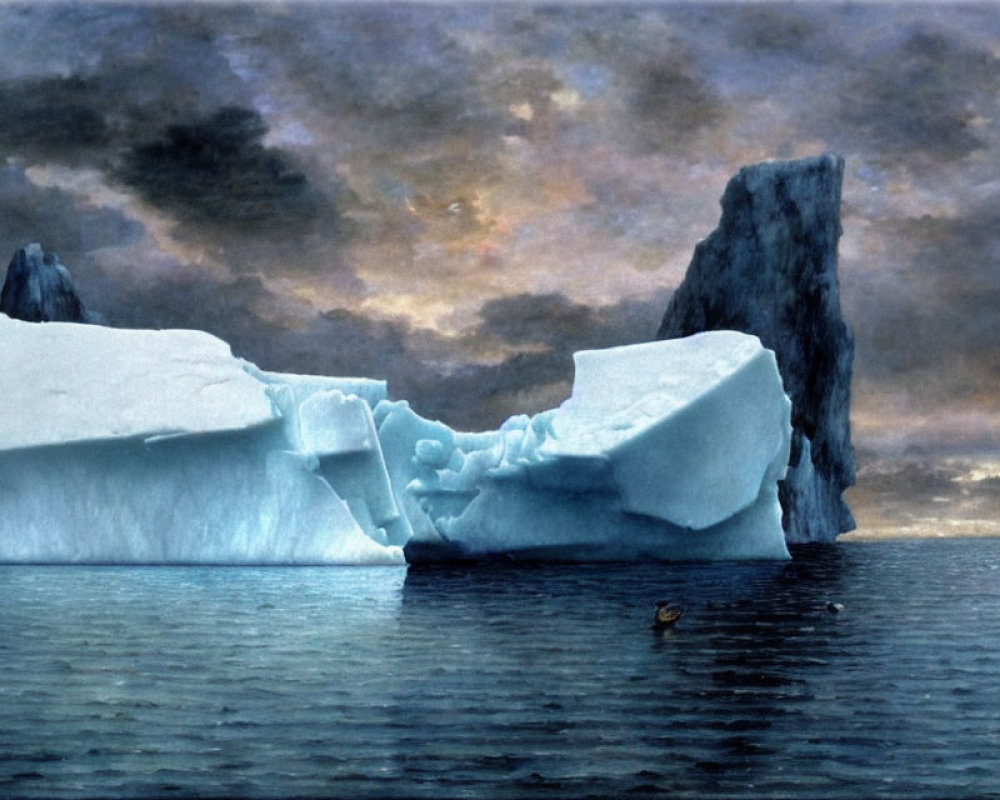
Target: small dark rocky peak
x,y
770,269
39,289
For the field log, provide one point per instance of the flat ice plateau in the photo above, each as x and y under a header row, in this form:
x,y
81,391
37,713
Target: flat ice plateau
x,y
138,446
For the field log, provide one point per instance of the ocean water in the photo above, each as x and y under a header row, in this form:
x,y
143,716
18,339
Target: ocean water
x,y
508,681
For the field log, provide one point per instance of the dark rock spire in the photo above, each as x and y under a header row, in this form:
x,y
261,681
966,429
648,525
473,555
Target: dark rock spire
x,y
770,269
39,289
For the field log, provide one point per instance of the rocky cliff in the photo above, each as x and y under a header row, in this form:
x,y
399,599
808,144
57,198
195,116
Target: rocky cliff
x,y
770,269
39,289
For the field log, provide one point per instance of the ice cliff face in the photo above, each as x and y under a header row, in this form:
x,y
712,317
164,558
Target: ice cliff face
x,y
39,289
770,269
132,446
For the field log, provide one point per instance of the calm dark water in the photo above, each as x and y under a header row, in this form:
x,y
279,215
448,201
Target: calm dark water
x,y
494,682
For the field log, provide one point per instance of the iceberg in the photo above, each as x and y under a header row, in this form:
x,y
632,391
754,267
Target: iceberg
x,y
137,446
665,450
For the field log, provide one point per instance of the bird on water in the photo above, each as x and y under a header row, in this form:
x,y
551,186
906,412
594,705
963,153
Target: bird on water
x,y
666,615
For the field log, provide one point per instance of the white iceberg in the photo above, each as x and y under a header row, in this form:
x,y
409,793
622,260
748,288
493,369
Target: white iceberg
x,y
126,446
667,450
134,446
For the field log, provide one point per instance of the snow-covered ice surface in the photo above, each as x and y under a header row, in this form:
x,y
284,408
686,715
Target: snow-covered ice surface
x,y
66,383
125,446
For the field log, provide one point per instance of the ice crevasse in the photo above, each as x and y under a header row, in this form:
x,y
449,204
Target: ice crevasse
x,y
141,446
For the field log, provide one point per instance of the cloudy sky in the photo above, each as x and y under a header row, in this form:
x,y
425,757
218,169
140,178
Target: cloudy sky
x,y
456,197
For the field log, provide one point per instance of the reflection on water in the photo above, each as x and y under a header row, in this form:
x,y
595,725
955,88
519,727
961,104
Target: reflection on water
x,y
528,681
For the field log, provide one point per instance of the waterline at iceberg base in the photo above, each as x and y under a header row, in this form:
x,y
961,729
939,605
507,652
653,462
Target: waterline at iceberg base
x,y
160,447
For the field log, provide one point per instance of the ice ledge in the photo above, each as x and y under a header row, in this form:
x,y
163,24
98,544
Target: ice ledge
x,y
66,383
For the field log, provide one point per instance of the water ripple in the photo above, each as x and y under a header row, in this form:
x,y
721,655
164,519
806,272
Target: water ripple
x,y
523,683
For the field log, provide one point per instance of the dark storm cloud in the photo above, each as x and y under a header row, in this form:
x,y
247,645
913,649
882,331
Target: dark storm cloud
x,y
421,111
217,170
108,74
671,102
932,325
153,83
184,297
921,96
476,395
405,77
393,71
768,29
636,61
52,118
536,319
556,322
149,96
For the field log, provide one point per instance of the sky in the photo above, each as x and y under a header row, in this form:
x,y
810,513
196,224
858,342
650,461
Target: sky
x,y
455,197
